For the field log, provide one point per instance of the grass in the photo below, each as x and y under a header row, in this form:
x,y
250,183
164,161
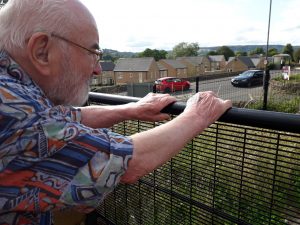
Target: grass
x,y
295,77
274,104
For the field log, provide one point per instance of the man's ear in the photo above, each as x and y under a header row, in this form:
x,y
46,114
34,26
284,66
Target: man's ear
x,y
38,48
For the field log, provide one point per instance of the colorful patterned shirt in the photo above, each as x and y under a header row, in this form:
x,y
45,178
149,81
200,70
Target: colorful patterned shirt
x,y
48,159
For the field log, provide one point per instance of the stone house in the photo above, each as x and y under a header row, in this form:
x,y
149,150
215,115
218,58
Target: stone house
x,y
107,75
136,70
217,62
196,65
174,68
258,62
239,63
163,71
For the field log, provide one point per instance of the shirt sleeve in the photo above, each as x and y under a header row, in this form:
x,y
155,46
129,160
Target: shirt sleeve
x,y
59,162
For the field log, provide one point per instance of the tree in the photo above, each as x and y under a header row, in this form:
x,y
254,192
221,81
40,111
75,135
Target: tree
x,y
272,51
185,49
297,55
226,51
241,53
212,53
288,49
157,54
257,51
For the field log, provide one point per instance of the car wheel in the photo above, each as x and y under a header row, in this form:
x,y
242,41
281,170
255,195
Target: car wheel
x,y
249,84
186,87
167,90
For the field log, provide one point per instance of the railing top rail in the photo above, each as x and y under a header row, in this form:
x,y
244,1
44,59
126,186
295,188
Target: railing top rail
x,y
257,118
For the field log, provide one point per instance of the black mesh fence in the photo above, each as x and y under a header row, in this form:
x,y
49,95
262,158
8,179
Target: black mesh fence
x,y
229,174
283,95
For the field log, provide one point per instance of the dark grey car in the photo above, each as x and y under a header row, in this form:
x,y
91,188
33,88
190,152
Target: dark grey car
x,y
248,78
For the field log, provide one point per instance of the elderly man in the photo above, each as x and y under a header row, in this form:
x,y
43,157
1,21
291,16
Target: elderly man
x,y
54,155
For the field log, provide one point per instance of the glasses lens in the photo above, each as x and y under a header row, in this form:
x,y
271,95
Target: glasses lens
x,y
100,54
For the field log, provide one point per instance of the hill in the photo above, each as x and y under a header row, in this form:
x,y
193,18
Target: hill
x,y
202,51
243,48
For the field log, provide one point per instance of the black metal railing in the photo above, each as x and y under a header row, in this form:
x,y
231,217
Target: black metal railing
x,y
244,169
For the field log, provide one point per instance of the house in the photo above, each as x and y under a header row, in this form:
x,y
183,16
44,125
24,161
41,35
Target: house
x,y
259,62
163,71
239,63
136,70
217,62
174,67
107,75
196,65
281,60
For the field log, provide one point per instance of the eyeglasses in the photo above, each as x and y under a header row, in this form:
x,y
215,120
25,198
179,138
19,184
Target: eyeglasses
x,y
97,52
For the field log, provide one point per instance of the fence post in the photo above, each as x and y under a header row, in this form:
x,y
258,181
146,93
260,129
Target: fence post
x,y
197,84
266,87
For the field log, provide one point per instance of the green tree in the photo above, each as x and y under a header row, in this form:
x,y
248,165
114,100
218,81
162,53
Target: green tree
x,y
226,51
241,53
185,49
157,54
257,51
212,53
288,49
297,55
272,51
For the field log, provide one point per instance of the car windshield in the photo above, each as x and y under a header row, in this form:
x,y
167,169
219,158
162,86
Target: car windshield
x,y
247,74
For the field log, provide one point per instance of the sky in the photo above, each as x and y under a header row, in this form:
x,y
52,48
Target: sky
x,y
134,25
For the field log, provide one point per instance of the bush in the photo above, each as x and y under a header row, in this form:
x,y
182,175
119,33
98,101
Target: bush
x,y
287,106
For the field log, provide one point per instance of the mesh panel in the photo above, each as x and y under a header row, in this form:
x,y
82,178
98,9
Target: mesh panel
x,y
229,174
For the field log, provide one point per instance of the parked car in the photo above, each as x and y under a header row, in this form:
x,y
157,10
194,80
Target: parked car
x,y
171,84
248,78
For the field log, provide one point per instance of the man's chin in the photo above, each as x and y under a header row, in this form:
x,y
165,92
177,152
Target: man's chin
x,y
82,98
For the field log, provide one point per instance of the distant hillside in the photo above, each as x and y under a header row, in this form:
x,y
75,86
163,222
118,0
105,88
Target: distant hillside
x,y
117,54
203,50
245,48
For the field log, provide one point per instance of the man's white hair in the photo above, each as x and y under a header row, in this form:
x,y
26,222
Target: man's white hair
x,y
19,19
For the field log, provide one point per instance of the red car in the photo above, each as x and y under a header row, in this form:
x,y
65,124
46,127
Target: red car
x,y
171,84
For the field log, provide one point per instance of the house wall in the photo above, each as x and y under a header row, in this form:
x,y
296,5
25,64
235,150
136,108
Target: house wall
x,y
235,66
153,72
107,77
174,72
171,70
181,72
206,65
125,77
163,73
191,68
261,64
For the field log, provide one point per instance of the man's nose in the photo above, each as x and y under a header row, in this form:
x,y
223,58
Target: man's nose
x,y
97,69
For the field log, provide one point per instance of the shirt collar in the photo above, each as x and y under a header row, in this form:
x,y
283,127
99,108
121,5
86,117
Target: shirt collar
x,y
9,67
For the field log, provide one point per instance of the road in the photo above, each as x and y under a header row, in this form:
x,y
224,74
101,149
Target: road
x,y
225,90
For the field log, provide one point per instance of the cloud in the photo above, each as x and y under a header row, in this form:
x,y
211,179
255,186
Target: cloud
x,y
135,25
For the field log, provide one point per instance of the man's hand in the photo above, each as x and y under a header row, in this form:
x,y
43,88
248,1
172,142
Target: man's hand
x,y
149,107
206,107
154,147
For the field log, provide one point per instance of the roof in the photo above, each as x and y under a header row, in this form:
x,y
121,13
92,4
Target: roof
x,y
107,66
244,59
256,61
161,67
216,58
195,60
133,64
174,63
